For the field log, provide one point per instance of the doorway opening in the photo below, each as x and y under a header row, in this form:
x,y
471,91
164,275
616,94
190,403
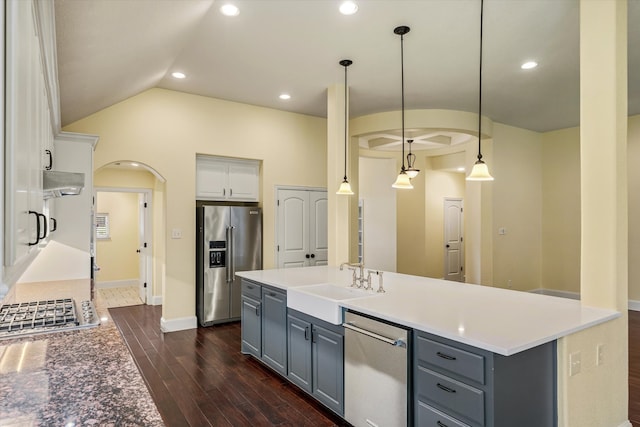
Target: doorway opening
x,y
123,246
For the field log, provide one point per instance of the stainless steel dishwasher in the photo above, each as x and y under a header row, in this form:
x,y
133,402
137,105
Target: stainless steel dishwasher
x,y
376,375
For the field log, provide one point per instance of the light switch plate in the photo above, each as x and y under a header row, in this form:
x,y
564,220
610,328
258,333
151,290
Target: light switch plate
x,y
176,233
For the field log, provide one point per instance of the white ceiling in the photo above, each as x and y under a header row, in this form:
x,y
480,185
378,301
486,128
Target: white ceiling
x,y
109,50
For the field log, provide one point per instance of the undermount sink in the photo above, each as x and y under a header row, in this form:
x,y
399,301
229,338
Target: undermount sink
x,y
323,300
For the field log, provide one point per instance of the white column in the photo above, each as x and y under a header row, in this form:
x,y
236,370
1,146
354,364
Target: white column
x,y
598,395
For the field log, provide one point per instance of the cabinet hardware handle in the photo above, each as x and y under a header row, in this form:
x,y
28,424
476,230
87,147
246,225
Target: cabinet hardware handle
x,y
306,333
50,165
314,335
224,191
44,228
307,256
445,388
258,310
313,255
446,356
272,294
37,228
249,286
54,224
230,192
441,424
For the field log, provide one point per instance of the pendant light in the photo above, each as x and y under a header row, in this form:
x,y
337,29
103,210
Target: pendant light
x,y
345,187
411,161
480,171
403,181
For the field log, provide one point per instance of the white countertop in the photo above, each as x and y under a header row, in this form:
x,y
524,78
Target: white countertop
x,y
498,320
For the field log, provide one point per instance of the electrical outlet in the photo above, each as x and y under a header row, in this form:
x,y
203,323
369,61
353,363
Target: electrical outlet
x,y
176,233
509,284
599,354
575,363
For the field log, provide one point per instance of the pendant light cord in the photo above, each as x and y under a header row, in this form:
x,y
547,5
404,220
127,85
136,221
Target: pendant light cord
x,y
345,122
402,84
480,87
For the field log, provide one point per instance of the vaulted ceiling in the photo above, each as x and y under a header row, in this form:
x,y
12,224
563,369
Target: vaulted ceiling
x,y
110,50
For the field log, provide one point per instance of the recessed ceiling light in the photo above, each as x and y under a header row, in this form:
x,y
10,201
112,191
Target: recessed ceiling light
x,y
285,96
178,75
229,10
348,8
529,65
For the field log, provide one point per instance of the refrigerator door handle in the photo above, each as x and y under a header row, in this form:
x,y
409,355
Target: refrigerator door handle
x,y
229,255
232,256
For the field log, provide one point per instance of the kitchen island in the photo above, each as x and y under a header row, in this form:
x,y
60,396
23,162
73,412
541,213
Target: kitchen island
x,y
476,356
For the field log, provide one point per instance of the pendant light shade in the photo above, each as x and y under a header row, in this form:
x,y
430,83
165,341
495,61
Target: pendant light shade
x,y
480,171
403,181
411,162
345,187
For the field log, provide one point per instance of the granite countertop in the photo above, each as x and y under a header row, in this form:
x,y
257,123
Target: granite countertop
x,y
82,377
494,319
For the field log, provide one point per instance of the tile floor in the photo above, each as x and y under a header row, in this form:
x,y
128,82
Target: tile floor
x,y
118,297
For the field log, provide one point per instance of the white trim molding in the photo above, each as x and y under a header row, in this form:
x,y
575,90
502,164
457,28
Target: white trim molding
x,y
556,293
626,424
179,324
156,300
634,305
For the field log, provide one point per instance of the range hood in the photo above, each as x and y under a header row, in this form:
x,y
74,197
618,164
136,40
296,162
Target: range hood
x,y
58,184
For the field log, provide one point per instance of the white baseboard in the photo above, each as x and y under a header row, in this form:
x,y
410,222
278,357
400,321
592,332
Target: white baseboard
x,y
156,300
179,324
118,284
634,305
556,293
626,424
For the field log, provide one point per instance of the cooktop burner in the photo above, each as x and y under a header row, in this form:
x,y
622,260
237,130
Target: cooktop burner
x,y
44,316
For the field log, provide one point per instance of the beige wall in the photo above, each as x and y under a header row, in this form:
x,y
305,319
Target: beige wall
x,y
165,129
117,256
517,202
633,162
561,210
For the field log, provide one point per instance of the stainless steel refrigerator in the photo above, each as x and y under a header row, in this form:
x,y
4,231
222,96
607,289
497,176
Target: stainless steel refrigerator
x,y
229,239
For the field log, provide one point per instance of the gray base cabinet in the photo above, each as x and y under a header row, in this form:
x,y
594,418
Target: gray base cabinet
x,y
459,385
316,359
264,324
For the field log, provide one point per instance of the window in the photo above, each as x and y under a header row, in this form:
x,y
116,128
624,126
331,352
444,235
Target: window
x,y
102,226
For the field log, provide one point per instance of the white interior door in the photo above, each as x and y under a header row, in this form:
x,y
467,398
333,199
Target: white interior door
x,y
453,240
142,248
293,228
318,233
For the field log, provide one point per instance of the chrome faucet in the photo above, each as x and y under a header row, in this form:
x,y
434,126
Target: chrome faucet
x,y
356,281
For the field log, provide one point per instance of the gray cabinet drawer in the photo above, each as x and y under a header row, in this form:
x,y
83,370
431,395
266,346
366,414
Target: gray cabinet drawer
x,y
251,289
431,417
462,401
463,363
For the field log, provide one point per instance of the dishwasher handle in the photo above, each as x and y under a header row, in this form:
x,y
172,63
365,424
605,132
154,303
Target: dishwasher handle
x,y
390,341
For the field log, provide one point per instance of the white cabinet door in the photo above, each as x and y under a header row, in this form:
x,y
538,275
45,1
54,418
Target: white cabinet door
x,y
211,179
222,179
244,181
302,228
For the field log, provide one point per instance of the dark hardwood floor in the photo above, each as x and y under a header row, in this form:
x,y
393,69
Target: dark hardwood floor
x,y
634,368
199,377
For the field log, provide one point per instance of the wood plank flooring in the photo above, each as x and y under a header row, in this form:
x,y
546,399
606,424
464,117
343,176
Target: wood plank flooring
x,y
634,368
199,377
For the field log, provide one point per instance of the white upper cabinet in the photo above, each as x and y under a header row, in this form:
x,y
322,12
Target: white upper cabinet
x,y
227,179
29,129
